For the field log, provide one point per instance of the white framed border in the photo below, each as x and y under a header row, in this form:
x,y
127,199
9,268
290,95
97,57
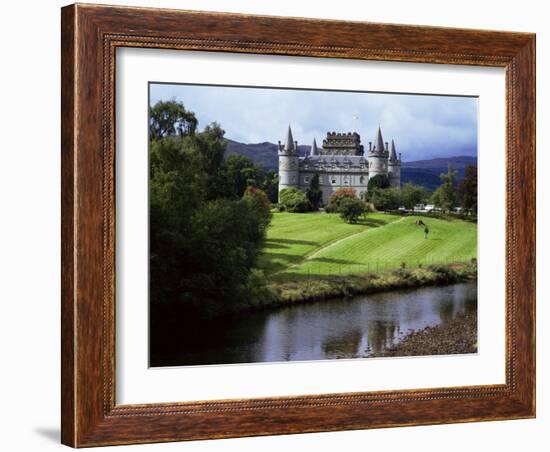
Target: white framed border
x,y
136,383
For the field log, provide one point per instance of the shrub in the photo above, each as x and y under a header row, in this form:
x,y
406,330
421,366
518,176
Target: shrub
x,y
337,198
351,209
447,275
293,200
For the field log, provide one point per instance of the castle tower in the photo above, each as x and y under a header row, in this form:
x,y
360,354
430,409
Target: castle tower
x,y
378,156
394,167
314,149
288,162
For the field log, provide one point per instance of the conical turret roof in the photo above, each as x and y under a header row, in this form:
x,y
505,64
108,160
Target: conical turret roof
x,y
289,143
379,141
393,154
314,148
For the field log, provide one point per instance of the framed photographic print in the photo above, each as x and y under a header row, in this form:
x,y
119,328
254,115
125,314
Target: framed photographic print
x,y
281,225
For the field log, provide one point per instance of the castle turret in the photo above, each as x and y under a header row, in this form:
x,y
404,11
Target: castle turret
x,y
288,162
314,149
394,167
378,156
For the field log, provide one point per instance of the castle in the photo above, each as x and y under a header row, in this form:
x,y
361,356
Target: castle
x,y
341,162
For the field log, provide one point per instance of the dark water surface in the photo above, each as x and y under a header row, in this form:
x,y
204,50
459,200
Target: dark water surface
x,y
339,328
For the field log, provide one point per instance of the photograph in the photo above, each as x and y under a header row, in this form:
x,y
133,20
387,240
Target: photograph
x,y
304,224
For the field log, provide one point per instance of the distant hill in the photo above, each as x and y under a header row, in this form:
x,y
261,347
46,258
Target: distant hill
x,y
419,172
427,172
264,154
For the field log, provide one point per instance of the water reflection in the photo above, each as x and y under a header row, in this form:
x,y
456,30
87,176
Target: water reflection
x,y
343,328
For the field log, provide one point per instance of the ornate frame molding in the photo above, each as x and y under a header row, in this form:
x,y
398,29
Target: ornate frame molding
x,y
90,37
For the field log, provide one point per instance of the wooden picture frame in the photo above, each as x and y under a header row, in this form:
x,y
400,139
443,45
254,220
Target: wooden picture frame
x,y
90,36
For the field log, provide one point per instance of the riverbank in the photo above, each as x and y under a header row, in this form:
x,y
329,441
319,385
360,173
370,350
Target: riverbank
x,y
455,336
316,288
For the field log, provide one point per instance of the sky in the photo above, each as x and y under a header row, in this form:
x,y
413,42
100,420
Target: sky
x,y
422,126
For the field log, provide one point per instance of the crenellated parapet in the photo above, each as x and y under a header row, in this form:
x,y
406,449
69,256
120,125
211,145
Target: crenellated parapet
x,y
340,163
342,144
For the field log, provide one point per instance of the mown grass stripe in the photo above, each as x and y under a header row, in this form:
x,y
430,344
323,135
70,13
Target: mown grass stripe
x,y
322,244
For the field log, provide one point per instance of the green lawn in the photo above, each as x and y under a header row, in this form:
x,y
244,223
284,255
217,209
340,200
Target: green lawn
x,y
301,245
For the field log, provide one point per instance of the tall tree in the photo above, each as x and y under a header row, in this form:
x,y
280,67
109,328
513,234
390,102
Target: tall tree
x,y
446,195
203,243
467,189
170,118
239,173
314,193
411,195
386,198
378,181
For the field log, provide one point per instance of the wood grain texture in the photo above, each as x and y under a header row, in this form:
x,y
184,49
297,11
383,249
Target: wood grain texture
x,y
90,36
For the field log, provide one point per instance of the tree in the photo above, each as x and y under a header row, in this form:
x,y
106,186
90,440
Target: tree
x,y
337,197
378,181
204,243
314,193
239,173
386,199
210,144
258,201
293,200
170,118
351,209
446,196
411,195
467,189
271,185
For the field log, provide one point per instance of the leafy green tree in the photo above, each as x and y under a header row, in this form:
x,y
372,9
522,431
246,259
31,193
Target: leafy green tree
x,y
351,209
239,173
314,193
271,185
446,195
386,198
258,201
378,181
336,199
293,200
411,195
467,190
170,118
203,242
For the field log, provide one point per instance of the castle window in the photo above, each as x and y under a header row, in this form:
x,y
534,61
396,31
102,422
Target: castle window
x,y
362,180
333,180
306,179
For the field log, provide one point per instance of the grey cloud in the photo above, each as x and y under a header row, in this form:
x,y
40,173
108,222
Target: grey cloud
x,y
422,126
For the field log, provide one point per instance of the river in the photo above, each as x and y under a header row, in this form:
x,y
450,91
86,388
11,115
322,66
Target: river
x,y
339,328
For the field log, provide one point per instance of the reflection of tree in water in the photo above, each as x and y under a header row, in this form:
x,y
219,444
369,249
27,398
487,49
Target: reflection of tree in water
x,y
381,335
195,342
446,311
344,346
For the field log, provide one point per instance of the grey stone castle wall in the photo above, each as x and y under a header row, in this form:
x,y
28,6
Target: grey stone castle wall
x,y
341,168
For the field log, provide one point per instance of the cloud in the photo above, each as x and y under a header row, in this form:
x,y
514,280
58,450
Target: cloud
x,y
423,126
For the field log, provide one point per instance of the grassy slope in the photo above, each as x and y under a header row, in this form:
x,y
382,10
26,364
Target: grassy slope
x,y
293,237
320,244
